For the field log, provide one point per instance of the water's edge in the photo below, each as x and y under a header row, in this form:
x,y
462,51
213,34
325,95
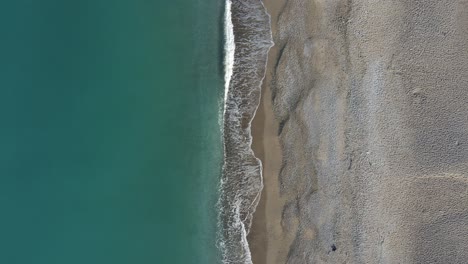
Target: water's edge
x,y
248,38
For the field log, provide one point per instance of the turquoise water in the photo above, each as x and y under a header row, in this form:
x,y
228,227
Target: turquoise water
x,y
110,142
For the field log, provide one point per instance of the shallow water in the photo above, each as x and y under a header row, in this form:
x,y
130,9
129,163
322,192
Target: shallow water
x,y
242,171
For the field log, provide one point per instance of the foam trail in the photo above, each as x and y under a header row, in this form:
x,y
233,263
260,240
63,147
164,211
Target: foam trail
x,y
248,40
229,48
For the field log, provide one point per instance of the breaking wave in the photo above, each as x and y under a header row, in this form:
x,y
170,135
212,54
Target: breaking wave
x,y
247,42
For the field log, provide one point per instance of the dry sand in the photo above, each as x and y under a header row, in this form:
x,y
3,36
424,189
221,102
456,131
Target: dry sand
x,y
363,133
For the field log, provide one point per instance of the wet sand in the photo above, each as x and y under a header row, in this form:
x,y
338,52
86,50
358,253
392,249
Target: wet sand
x,y
265,238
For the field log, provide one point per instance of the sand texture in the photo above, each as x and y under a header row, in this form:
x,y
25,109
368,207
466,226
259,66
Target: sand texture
x,y
363,133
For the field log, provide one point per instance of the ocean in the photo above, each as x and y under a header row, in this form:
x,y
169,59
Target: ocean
x,y
117,131
111,147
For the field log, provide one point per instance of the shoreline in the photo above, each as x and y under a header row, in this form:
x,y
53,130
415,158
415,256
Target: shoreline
x,y
241,182
265,239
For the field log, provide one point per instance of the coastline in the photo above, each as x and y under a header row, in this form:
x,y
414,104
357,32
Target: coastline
x,y
265,240
241,182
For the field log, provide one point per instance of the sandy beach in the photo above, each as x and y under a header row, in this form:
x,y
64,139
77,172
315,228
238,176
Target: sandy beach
x,y
362,132
265,237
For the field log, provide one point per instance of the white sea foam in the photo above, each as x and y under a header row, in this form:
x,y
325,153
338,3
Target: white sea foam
x,y
229,48
247,41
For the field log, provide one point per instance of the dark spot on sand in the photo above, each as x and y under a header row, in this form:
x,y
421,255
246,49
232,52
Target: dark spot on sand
x,y
333,247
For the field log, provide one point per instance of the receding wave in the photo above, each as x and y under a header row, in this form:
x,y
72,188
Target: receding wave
x,y
247,42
